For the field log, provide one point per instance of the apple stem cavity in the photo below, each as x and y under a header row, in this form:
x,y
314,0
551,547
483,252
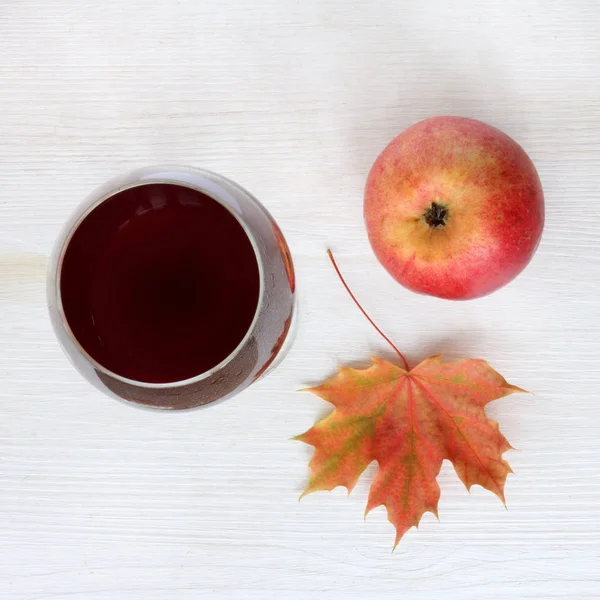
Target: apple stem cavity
x,y
364,312
436,215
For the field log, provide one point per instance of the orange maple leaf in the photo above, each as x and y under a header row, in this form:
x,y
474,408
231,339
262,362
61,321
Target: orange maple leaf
x,y
409,421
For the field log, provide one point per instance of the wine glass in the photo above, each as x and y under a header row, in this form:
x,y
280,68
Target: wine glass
x,y
263,342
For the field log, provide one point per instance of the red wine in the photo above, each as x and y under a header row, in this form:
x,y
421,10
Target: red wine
x,y
159,283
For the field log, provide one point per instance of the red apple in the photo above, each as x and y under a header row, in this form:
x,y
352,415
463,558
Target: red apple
x,y
454,208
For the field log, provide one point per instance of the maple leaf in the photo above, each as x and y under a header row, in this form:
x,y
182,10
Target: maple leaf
x,y
409,421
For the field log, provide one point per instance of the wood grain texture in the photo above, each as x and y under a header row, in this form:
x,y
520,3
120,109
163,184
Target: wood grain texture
x,y
294,100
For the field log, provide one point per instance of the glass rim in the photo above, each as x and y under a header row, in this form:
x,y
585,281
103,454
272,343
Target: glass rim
x,y
77,218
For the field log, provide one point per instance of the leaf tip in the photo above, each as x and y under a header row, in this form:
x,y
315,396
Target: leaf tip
x,y
304,493
349,487
515,389
502,497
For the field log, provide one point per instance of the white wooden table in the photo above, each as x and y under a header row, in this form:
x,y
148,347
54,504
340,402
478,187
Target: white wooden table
x,y
294,99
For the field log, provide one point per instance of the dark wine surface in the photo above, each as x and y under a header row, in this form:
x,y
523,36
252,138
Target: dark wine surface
x,y
159,283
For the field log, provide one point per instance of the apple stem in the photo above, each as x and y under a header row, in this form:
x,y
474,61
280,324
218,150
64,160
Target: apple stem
x,y
362,310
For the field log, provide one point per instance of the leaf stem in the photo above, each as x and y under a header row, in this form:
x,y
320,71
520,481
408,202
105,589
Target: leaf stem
x,y
362,310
